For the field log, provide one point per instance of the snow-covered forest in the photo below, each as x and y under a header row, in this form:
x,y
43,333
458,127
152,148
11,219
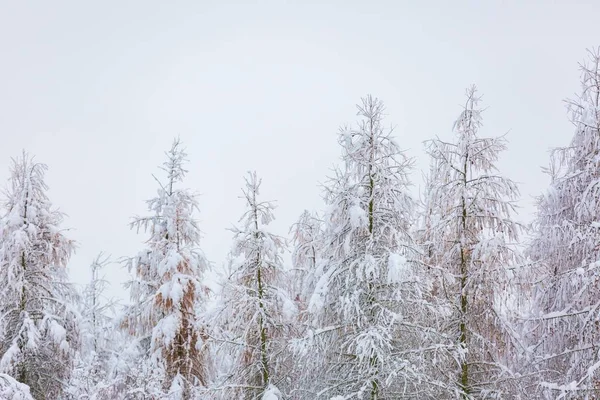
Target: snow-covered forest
x,y
445,295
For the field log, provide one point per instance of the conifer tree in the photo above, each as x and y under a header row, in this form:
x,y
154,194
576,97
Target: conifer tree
x,y
38,328
255,304
367,307
91,376
566,253
167,295
306,256
470,236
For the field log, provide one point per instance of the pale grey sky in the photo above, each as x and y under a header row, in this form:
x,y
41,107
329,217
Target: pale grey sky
x,y
97,90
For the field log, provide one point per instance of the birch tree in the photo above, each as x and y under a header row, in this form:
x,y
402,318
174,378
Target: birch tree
x,y
565,249
38,328
167,295
470,237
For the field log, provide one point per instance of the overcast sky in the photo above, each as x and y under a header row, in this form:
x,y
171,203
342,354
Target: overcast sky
x,y
98,90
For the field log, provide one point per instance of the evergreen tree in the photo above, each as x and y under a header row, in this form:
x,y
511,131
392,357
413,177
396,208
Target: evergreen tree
x,y
90,379
167,295
470,237
38,328
307,268
307,240
255,306
368,309
565,250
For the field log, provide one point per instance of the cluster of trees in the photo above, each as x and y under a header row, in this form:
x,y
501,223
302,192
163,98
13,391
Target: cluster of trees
x,y
387,297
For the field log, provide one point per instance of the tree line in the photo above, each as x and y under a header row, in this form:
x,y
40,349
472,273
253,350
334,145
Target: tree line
x,y
387,296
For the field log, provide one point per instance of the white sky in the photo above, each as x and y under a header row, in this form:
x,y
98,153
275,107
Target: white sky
x,y
97,90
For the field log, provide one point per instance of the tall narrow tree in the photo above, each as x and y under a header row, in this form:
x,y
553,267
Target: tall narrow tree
x,y
307,240
565,249
367,304
90,377
255,304
38,328
470,237
307,268
167,294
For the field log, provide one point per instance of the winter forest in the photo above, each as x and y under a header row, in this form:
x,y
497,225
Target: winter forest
x,y
388,295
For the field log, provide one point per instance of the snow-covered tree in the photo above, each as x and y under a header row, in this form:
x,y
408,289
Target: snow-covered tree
x,y
307,267
470,241
38,328
129,374
368,309
99,339
167,295
96,307
256,308
306,256
567,255
11,389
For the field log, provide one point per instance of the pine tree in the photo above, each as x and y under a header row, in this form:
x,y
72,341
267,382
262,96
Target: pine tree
x,y
167,295
368,306
38,328
565,249
255,304
470,238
